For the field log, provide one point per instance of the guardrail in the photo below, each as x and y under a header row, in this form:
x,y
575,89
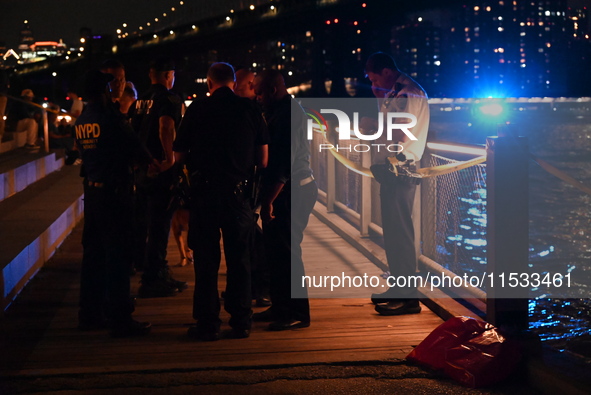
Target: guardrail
x,y
44,122
457,216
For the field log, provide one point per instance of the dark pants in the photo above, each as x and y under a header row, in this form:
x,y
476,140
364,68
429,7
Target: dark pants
x,y
258,260
212,211
283,238
104,282
396,198
158,217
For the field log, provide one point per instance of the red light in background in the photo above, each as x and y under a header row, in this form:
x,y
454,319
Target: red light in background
x,y
328,22
336,20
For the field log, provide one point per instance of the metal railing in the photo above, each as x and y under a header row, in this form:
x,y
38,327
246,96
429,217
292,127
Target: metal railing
x,y
44,120
356,199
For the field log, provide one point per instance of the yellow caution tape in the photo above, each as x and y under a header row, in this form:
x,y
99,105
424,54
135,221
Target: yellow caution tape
x,y
450,167
425,173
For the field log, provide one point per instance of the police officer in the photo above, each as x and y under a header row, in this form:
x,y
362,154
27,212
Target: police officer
x,y
158,114
222,138
108,149
397,93
288,196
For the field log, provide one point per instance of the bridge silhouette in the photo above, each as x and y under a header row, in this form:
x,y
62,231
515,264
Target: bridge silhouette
x,y
310,40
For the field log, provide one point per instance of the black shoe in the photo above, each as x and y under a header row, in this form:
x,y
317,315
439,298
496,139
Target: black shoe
x,y
264,316
165,274
287,325
239,333
156,289
263,302
197,333
399,307
179,285
382,298
130,329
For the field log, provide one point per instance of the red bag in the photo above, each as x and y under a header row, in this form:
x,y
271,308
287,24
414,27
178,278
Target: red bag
x,y
470,351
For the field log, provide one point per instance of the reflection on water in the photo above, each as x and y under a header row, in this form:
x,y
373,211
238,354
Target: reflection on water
x,y
560,215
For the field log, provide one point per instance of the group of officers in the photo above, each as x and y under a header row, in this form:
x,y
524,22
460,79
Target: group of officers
x,y
226,141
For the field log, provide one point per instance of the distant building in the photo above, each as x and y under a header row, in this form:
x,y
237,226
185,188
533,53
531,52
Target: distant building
x,y
418,49
26,39
495,48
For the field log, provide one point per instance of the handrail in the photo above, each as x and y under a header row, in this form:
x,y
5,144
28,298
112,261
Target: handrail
x,y
43,115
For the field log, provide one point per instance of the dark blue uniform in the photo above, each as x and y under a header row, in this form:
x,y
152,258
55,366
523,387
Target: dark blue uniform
x,y
108,148
289,164
220,135
153,196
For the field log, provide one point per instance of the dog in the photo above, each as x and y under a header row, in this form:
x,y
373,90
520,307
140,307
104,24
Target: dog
x,y
180,217
180,228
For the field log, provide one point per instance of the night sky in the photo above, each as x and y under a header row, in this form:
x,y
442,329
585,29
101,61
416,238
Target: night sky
x,y
55,19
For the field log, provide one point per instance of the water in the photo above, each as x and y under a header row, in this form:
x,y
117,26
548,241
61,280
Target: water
x,y
560,215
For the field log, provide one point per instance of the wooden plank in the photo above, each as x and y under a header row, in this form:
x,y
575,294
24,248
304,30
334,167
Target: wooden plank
x,y
343,329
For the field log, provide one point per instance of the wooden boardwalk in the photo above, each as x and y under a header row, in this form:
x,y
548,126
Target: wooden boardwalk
x,y
38,333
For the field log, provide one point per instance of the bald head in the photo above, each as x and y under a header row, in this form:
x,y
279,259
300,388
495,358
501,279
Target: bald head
x,y
269,86
244,80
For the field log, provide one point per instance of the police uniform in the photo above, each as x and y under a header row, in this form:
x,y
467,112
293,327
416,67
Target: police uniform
x,y
153,195
108,148
289,164
397,195
220,135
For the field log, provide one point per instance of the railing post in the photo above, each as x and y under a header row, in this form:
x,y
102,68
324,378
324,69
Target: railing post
x,y
331,188
428,223
507,230
45,130
365,209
